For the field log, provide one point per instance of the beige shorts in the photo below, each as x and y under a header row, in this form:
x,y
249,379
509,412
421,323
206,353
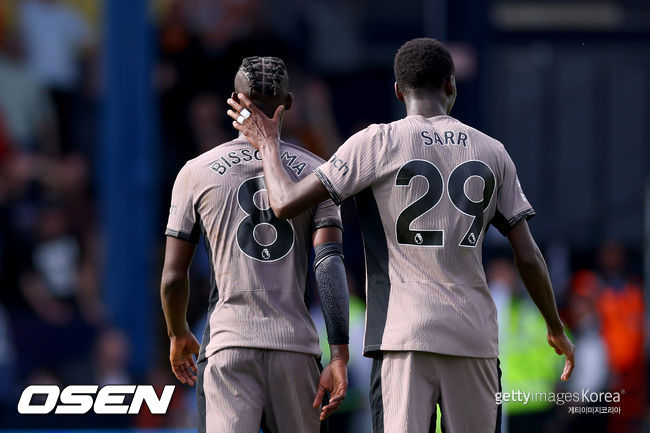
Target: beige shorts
x,y
240,390
406,386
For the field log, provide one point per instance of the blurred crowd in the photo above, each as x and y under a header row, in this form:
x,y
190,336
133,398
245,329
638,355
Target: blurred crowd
x,y
54,327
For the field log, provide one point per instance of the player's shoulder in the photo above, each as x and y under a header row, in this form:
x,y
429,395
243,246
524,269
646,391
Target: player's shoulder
x,y
371,132
481,137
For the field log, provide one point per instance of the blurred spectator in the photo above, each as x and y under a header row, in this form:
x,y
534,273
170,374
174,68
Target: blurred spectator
x,y
25,108
54,36
111,358
205,119
7,358
49,284
619,302
528,363
310,122
334,23
5,144
590,356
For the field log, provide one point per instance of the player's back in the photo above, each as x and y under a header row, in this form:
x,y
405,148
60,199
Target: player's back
x,y
259,262
434,186
438,182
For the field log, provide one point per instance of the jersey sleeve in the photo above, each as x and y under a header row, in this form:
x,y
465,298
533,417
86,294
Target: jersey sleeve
x,y
512,204
183,222
327,214
354,165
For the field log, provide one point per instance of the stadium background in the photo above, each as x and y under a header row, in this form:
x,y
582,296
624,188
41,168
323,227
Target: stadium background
x,y
102,102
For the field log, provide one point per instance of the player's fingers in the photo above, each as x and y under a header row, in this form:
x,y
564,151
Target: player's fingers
x,y
232,114
189,378
237,126
183,374
234,104
193,366
570,361
190,372
338,397
568,369
247,103
319,397
178,374
190,369
329,409
332,405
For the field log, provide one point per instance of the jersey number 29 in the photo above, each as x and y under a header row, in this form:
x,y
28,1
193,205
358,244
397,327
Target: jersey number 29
x,y
456,189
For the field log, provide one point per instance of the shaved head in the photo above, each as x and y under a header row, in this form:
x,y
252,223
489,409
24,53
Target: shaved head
x,y
265,81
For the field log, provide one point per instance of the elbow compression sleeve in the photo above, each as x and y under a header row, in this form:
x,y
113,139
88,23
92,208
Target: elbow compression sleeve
x,y
333,290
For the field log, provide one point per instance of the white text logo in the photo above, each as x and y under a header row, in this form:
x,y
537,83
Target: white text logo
x,y
80,399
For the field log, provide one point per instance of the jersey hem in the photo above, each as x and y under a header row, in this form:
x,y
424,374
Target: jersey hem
x,y
194,238
209,353
375,350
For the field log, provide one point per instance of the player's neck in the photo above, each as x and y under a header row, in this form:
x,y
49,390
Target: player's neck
x,y
427,107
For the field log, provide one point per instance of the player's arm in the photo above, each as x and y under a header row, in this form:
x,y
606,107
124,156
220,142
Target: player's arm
x,y
335,303
534,273
174,295
287,198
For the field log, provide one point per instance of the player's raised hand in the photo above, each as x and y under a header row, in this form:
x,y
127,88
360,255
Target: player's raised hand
x,y
333,379
563,346
253,123
181,350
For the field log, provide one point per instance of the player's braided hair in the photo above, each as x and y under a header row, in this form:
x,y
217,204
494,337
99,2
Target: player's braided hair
x,y
266,75
423,63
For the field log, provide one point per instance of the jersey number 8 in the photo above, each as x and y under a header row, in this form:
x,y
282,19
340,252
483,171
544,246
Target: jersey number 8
x,y
456,188
256,216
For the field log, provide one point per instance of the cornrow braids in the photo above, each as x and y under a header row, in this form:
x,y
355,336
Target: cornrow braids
x,y
266,75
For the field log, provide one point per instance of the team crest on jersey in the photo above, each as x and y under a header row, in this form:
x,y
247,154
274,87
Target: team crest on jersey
x,y
265,254
471,238
419,239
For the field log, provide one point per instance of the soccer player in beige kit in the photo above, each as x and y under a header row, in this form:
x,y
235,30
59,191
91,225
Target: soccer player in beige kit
x,y
258,363
426,187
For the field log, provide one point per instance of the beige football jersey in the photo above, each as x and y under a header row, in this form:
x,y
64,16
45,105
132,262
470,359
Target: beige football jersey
x,y
259,262
426,190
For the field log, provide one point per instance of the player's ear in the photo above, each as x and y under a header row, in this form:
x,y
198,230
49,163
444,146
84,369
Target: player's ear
x,y
398,92
451,92
288,101
450,86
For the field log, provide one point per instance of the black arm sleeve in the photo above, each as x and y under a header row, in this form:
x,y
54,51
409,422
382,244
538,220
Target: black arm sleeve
x,y
333,290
